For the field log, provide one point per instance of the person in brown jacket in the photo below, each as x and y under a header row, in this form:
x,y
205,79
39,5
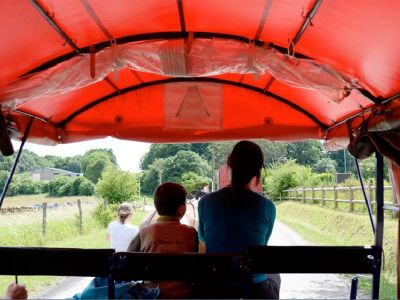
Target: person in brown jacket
x,y
168,235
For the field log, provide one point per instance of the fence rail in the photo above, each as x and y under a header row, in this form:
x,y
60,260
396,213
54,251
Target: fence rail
x,y
338,194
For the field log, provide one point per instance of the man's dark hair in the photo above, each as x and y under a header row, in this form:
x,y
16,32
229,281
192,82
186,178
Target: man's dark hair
x,y
168,197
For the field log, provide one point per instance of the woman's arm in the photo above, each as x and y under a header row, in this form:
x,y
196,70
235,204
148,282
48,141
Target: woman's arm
x,y
202,247
271,214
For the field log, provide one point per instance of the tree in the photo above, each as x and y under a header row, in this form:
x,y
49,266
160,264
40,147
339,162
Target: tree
x,y
274,152
149,180
202,149
94,163
191,181
3,179
325,165
117,186
158,151
27,162
109,152
222,150
305,153
6,162
183,162
171,169
72,164
340,157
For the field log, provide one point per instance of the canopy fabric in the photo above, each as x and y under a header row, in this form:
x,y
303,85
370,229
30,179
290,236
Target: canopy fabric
x,y
348,48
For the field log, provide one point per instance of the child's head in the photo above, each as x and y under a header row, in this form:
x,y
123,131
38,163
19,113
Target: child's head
x,y
124,211
170,200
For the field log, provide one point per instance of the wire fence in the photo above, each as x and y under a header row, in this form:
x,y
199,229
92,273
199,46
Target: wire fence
x,y
45,212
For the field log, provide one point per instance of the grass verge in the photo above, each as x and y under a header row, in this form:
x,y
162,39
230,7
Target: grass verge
x,y
322,226
66,237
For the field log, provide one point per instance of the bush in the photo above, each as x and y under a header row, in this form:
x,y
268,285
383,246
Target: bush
x,y
103,215
86,188
60,186
45,187
325,179
285,176
117,186
23,184
81,186
70,186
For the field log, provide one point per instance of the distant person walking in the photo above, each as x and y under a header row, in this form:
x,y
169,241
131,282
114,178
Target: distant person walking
x,y
121,232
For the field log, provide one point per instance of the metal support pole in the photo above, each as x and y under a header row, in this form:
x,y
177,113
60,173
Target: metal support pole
x,y
379,225
354,286
367,201
14,166
111,288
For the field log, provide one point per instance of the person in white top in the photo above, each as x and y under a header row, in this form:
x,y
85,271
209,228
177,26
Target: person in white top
x,y
121,232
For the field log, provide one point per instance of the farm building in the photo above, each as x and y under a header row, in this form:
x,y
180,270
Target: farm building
x,y
49,173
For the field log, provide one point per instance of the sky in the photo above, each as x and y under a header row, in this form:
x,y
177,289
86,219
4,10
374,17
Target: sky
x,y
128,153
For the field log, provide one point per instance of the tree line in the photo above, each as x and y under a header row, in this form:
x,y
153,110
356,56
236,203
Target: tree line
x,y
192,164
91,165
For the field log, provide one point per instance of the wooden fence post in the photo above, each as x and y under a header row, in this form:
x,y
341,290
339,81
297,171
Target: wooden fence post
x,y
304,195
323,196
313,196
395,214
351,198
371,196
335,196
80,216
44,220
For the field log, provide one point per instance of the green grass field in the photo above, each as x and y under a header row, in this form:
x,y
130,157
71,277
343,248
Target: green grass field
x,y
25,229
323,226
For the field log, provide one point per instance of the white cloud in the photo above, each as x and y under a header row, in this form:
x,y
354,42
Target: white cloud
x,y
128,153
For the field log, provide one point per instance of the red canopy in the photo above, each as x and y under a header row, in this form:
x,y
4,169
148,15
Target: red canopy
x,y
198,70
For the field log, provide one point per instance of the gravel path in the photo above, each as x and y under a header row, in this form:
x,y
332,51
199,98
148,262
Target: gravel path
x,y
293,286
308,286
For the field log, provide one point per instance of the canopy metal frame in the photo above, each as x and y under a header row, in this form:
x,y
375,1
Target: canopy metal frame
x,y
374,255
14,166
